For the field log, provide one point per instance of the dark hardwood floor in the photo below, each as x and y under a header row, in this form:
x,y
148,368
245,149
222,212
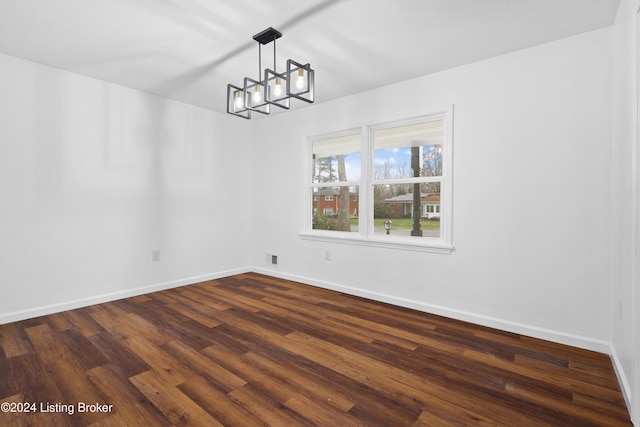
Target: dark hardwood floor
x,y
251,350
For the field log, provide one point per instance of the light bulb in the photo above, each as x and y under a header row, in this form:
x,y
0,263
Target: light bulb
x,y
300,81
238,102
277,89
257,97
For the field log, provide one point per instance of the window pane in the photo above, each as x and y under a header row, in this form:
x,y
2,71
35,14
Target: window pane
x,y
337,159
408,151
396,204
335,208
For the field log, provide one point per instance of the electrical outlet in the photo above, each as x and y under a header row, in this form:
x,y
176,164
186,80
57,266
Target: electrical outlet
x,y
327,255
155,255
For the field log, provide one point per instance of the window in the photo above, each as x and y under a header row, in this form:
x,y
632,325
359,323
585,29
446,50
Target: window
x,y
336,178
398,171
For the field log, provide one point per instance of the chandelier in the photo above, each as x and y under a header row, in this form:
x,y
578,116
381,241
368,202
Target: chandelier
x,y
271,87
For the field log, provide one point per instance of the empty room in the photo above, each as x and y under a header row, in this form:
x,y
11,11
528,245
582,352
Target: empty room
x,y
319,213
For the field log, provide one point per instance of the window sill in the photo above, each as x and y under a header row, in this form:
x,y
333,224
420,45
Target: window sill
x,y
381,242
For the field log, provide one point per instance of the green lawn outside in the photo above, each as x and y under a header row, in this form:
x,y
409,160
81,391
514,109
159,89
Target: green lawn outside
x,y
402,223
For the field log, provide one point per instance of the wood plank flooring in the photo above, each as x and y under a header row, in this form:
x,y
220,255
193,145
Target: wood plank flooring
x,y
251,350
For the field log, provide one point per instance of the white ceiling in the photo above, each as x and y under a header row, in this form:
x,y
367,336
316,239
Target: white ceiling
x,y
189,50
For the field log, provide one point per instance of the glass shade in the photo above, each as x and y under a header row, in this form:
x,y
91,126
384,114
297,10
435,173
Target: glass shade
x,y
300,81
235,102
254,96
276,93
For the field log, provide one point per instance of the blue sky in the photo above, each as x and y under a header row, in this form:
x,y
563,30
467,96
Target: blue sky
x,y
396,158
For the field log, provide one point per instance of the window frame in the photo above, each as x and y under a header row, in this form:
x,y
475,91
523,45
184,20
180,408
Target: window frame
x,y
365,234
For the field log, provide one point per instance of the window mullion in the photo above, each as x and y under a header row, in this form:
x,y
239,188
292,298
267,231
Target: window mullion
x,y
419,179
366,217
334,184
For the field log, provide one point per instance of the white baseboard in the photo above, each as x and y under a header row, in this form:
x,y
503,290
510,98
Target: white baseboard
x,y
528,330
84,302
622,380
492,322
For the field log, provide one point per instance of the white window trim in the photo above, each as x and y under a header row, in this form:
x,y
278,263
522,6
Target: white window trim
x,y
365,235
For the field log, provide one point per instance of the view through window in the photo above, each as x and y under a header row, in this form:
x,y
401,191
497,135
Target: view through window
x,y
407,179
384,183
336,183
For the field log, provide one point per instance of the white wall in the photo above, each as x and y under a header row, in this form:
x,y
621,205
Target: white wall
x,y
624,189
94,176
531,221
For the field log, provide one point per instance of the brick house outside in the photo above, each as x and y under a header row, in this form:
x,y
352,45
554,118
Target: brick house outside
x,y
327,201
402,206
